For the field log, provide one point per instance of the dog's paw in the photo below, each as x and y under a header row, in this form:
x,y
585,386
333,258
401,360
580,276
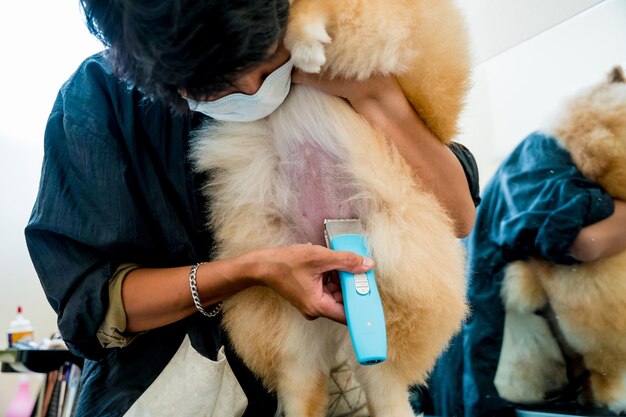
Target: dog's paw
x,y
618,408
618,404
308,47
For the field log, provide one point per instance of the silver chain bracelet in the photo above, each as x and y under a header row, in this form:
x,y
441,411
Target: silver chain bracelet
x,y
196,297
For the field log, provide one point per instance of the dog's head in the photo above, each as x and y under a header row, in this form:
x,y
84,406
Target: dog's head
x,y
592,128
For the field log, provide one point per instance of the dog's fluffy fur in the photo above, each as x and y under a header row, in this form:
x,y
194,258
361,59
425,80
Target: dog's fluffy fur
x,y
275,180
589,299
423,42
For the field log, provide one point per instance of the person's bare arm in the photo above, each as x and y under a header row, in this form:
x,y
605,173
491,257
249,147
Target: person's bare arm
x,y
604,238
157,297
381,102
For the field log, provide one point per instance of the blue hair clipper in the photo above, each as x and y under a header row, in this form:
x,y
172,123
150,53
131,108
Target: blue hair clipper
x,y
364,310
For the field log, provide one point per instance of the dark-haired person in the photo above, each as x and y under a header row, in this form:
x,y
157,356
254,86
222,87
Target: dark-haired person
x,y
117,234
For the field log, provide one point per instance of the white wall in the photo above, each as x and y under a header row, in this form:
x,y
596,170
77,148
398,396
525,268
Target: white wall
x,y
42,42
517,89
498,25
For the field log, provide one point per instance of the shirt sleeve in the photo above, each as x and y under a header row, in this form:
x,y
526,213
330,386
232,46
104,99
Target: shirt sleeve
x,y
468,162
115,188
112,331
543,202
71,235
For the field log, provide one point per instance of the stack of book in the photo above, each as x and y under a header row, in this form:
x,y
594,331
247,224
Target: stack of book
x,y
59,392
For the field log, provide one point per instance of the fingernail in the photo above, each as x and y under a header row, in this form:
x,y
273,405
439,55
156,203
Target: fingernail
x,y
367,262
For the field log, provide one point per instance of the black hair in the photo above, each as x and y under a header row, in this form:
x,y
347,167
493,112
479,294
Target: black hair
x,y
201,46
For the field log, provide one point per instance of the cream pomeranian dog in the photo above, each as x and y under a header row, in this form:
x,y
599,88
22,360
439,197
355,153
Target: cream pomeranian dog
x,y
275,180
589,299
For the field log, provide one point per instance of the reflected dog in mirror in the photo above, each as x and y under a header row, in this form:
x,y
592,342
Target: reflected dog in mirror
x,y
587,300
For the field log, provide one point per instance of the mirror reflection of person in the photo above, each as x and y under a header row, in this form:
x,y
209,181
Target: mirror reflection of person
x,y
118,225
536,205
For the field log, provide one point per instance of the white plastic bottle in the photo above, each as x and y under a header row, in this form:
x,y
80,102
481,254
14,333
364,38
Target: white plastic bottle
x,y
20,329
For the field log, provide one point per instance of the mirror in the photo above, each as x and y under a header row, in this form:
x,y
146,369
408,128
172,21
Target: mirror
x,y
516,88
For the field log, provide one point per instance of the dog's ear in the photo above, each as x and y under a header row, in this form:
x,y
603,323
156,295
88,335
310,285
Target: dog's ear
x,y
617,75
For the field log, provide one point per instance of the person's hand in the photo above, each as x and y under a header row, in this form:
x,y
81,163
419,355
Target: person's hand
x,y
302,274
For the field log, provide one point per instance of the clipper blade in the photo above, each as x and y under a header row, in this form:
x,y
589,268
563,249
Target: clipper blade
x,y
337,227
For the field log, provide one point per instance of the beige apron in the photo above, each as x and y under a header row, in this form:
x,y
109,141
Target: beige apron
x,y
192,385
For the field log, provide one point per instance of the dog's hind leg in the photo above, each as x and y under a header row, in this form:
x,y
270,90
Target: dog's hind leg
x,y
303,394
304,367
387,394
609,388
521,288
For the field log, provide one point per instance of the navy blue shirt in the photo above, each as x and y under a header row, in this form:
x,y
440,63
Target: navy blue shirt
x,y
117,187
535,205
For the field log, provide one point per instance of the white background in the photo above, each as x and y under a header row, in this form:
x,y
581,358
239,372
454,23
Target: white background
x,y
529,55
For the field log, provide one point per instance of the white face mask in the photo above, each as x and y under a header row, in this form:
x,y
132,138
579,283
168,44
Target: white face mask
x,y
239,107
